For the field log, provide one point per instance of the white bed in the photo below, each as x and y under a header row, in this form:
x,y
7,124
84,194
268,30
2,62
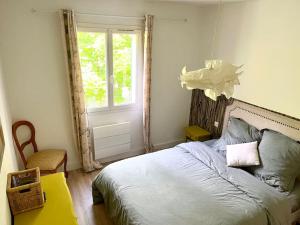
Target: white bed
x,y
191,183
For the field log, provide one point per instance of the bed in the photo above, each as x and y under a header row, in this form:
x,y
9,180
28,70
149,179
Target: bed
x,y
191,183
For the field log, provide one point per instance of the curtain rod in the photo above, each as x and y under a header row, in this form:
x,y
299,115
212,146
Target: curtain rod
x,y
33,10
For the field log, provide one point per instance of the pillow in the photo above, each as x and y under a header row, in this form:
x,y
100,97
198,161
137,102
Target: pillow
x,y
238,131
280,161
245,154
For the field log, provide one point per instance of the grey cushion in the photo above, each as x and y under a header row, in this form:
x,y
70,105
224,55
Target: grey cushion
x,y
280,160
238,131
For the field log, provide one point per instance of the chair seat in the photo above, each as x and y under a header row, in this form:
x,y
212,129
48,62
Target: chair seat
x,y
46,159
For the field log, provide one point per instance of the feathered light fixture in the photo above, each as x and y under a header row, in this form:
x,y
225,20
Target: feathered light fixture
x,y
217,78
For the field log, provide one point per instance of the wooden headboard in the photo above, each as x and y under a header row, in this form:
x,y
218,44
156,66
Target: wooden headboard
x,y
262,118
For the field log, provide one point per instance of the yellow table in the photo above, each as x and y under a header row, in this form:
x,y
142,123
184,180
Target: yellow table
x,y
58,208
196,133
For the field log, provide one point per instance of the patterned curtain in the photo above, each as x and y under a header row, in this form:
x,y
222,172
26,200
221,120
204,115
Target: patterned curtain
x,y
147,81
80,120
204,112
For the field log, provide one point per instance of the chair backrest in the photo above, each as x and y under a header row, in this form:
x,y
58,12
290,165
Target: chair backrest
x,y
31,140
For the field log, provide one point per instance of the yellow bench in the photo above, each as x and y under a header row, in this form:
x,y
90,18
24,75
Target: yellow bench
x,y
58,208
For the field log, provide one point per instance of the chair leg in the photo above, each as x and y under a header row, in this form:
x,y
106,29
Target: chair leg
x,y
65,165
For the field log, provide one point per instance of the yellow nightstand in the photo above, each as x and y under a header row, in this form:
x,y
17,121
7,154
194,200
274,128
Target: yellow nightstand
x,y
196,133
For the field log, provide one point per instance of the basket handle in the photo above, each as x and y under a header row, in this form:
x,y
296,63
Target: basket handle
x,y
24,190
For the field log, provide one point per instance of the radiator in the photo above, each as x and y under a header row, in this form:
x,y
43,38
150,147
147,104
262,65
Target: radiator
x,y
110,140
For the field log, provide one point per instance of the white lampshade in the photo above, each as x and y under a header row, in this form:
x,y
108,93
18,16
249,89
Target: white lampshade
x,y
216,78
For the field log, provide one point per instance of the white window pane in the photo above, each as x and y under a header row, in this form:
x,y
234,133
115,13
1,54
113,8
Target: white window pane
x,y
92,52
124,64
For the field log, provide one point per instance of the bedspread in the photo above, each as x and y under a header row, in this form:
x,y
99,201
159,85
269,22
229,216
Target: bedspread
x,y
189,184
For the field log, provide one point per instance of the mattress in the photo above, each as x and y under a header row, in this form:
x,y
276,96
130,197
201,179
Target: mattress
x,y
188,184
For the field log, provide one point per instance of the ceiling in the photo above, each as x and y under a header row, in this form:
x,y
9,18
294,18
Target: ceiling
x,y
198,1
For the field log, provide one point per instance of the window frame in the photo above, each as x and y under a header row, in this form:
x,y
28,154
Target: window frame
x,y
109,30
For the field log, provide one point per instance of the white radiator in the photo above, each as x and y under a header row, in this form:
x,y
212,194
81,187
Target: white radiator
x,y
110,140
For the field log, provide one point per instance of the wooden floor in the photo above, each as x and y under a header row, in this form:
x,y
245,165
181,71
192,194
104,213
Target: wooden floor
x,y
80,185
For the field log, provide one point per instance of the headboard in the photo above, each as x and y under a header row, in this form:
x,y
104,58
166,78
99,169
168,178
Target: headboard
x,y
262,118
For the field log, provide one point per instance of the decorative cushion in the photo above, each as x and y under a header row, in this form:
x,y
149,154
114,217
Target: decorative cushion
x,y
240,155
237,132
46,159
280,161
196,133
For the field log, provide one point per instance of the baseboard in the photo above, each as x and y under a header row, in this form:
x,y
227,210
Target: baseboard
x,y
121,156
77,165
73,165
125,155
170,144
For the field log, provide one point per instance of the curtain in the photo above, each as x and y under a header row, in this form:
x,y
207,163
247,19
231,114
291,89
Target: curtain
x,y
204,112
147,81
79,112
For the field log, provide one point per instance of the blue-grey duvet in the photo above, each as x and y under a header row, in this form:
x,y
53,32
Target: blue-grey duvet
x,y
189,184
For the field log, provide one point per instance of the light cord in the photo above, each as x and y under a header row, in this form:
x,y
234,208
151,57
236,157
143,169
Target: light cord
x,y
217,23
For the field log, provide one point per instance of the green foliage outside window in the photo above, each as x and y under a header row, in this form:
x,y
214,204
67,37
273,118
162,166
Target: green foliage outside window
x,y
122,60
92,51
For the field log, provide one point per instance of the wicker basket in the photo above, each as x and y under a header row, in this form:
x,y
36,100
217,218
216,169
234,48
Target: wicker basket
x,y
24,190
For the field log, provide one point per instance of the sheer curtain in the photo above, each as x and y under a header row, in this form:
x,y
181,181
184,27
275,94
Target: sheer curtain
x,y
80,120
147,81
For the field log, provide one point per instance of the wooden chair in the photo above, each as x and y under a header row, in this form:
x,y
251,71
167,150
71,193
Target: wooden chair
x,y
48,160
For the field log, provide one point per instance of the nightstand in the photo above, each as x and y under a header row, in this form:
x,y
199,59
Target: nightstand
x,y
196,133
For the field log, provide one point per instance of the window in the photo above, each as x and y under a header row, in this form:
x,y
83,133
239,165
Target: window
x,y
109,67
92,52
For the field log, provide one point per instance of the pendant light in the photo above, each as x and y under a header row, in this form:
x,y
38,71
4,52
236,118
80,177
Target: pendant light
x,y
217,78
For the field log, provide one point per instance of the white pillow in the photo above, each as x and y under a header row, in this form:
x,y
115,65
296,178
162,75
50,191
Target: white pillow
x,y
245,154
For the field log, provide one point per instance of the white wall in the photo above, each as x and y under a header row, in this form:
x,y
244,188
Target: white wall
x,y
261,34
175,44
9,162
264,36
35,71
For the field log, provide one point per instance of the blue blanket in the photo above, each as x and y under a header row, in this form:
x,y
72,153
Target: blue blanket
x,y
189,184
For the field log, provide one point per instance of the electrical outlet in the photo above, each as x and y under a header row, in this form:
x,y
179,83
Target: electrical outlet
x,y
216,124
